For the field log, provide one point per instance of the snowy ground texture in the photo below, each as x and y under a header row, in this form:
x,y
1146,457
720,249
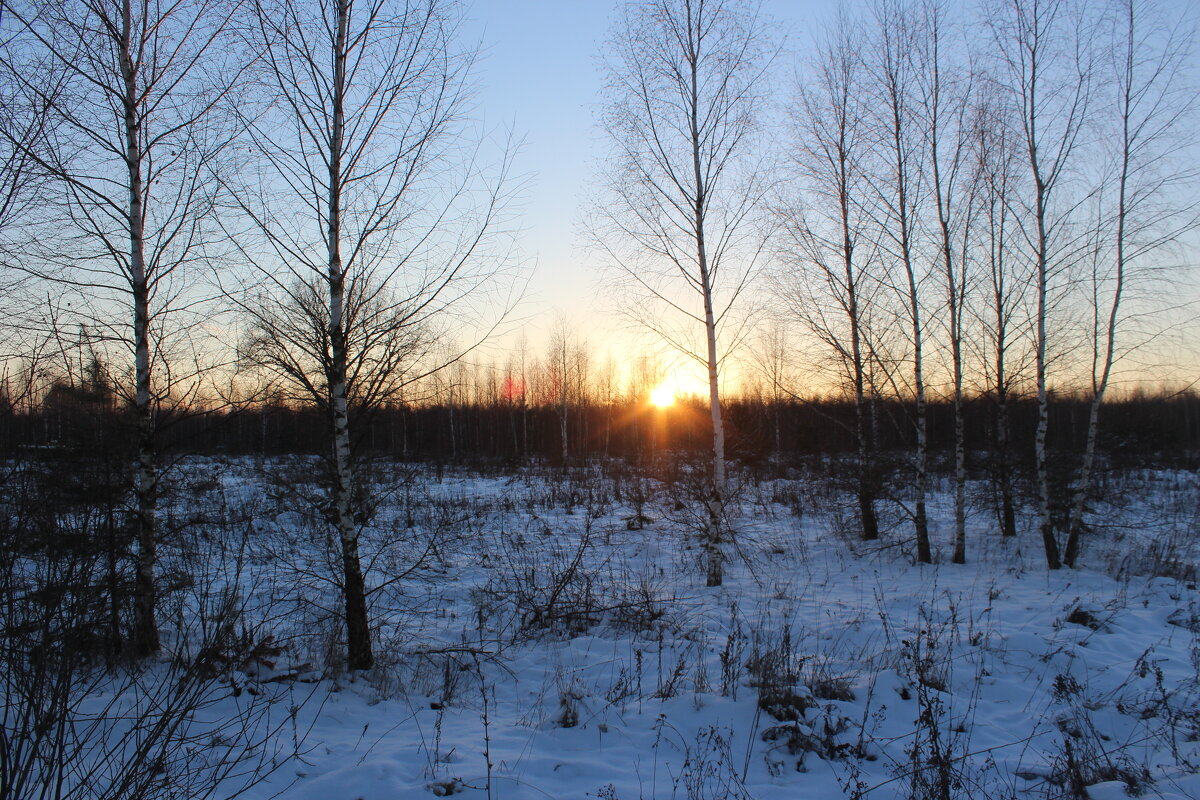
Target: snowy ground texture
x,y
557,641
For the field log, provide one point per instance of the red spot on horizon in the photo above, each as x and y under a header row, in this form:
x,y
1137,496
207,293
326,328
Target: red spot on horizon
x,y
513,388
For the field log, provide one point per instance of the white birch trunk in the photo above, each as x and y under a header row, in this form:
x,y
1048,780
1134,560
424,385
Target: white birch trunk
x,y
146,641
1131,136
716,501
358,635
868,521
1008,517
1049,542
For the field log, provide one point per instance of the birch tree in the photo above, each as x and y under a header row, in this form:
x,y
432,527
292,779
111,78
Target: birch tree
x,y
825,250
129,92
564,365
1045,72
898,189
683,90
945,112
771,359
22,129
1145,204
372,225
1006,279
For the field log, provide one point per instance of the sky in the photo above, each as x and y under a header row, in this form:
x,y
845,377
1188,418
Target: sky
x,y
539,74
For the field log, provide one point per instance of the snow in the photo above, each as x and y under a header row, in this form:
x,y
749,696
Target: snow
x,y
583,658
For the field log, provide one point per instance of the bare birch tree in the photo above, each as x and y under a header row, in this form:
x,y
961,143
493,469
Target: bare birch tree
x,y
1141,90
771,359
825,250
23,127
128,90
1045,71
683,89
372,224
1006,279
898,191
566,362
945,113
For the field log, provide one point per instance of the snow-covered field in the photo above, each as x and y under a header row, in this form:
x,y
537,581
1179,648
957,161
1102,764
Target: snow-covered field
x,y
556,640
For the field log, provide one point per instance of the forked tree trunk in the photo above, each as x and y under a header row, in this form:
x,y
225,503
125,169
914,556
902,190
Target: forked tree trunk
x,y
1041,35
863,433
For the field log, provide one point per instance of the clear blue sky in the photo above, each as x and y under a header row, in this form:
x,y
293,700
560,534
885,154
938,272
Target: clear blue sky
x,y
539,73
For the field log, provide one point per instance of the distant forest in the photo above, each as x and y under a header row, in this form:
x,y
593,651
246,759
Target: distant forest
x,y
1142,428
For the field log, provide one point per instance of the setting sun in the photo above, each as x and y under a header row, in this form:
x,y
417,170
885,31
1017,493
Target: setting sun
x,y
663,396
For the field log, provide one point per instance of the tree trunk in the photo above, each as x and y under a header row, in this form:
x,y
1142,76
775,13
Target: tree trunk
x,y
1003,453
864,440
944,186
954,306
1083,487
453,429
920,515
1129,141
1049,542
145,635
777,411
512,427
607,426
1008,514
715,503
904,205
562,431
866,484
960,467
358,632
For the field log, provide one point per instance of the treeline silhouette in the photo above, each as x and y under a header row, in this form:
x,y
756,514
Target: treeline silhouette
x,y
1143,428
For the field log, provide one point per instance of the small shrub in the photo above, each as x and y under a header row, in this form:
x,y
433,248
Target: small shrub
x,y
820,736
